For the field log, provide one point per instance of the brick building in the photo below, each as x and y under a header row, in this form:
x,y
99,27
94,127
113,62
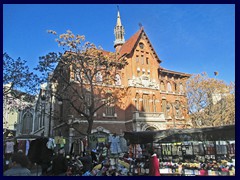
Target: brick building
x,y
155,98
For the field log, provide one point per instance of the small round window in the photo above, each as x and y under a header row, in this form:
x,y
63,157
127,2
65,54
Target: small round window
x,y
141,45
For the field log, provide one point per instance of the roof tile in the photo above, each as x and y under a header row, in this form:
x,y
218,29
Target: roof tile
x,y
129,44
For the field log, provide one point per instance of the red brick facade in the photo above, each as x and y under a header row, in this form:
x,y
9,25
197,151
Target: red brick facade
x,y
155,99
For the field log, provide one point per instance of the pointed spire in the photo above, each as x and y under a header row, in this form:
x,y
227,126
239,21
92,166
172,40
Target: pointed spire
x,y
118,18
118,32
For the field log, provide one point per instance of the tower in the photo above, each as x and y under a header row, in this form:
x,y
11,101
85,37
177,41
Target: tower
x,y
119,33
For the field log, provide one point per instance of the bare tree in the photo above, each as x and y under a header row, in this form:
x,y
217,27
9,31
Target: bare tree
x,y
19,83
211,102
85,77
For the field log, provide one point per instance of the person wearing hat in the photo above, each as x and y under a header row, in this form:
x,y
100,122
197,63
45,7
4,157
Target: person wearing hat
x,y
60,165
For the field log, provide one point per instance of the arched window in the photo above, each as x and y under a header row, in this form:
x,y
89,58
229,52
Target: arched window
x,y
169,87
164,106
118,80
137,58
181,88
137,102
168,110
142,59
99,77
87,75
162,85
147,61
36,121
175,87
77,76
154,104
145,103
110,110
41,120
27,123
178,109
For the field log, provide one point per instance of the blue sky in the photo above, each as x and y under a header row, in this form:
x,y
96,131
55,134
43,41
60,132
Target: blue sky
x,y
189,38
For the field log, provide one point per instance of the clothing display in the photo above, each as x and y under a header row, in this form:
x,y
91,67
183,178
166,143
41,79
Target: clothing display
x,y
27,147
210,149
138,151
231,148
189,150
174,150
60,140
201,149
77,147
221,147
51,143
177,149
9,147
196,150
115,145
166,149
123,144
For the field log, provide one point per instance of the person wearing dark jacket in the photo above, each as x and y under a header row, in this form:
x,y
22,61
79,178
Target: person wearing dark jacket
x,y
18,166
87,162
59,165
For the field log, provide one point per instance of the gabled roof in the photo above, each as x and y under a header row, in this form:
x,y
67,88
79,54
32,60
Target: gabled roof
x,y
129,45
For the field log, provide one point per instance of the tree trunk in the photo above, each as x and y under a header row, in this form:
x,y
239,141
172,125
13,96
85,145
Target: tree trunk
x,y
90,125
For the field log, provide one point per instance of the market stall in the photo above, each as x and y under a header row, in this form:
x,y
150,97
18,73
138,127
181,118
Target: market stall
x,y
191,146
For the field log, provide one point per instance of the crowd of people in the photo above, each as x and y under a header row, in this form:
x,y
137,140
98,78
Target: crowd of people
x,y
108,160
18,165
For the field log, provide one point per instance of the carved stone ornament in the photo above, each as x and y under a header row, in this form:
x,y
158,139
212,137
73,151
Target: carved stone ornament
x,y
143,81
